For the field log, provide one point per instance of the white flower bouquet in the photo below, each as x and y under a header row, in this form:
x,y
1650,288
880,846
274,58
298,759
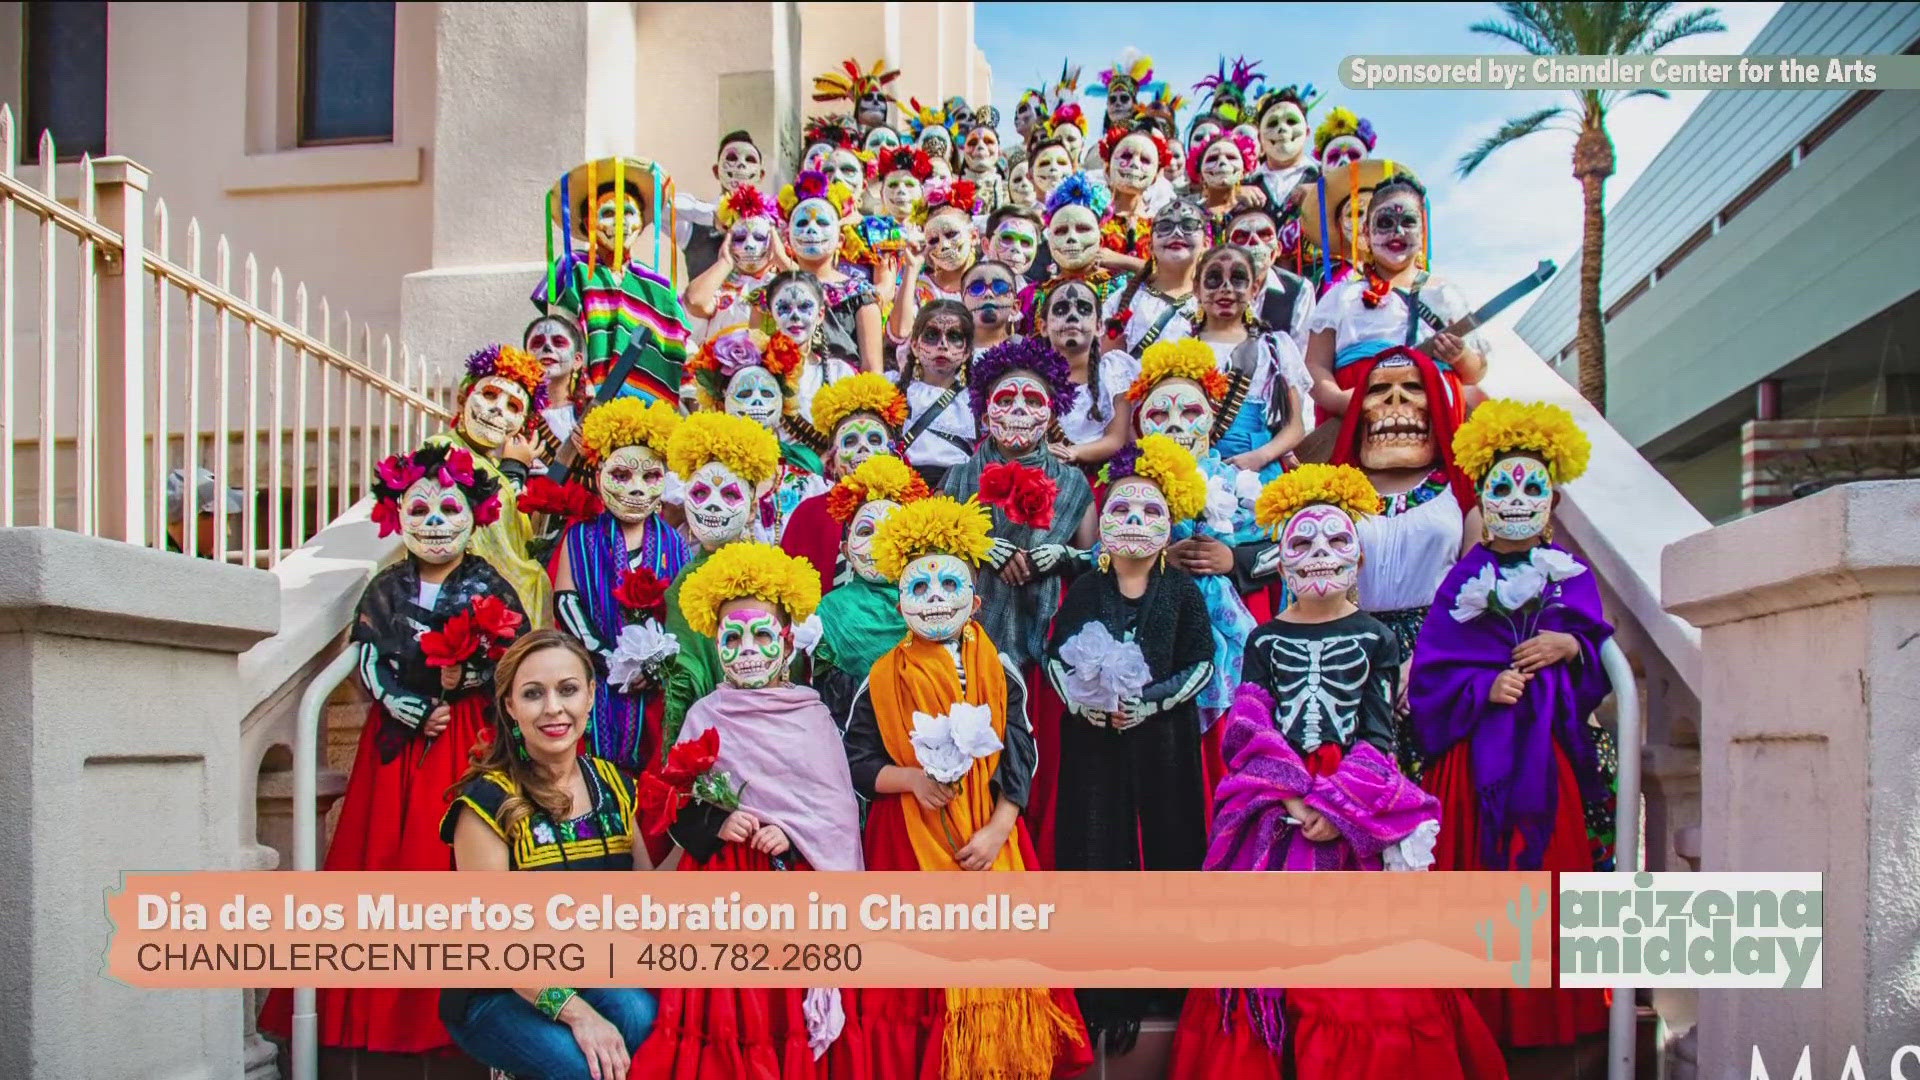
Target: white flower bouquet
x,y
1102,671
946,746
641,654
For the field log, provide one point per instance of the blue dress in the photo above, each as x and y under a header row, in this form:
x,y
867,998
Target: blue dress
x,y
1232,622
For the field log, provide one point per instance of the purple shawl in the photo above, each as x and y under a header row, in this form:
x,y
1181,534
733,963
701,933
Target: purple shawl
x,y
784,753
1514,777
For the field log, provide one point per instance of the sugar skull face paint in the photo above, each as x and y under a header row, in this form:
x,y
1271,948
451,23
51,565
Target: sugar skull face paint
x,y
1320,552
556,344
1052,165
936,597
496,409
1073,141
719,505
1516,498
1020,189
872,109
753,642
845,166
814,230
941,345
1202,132
1257,234
1120,98
858,438
1073,237
754,394
1283,134
1342,150
797,309
1221,166
435,521
1135,164
632,480
1394,225
881,138
1134,522
982,149
1225,286
1178,409
899,192
991,293
1071,315
950,241
739,164
1019,408
751,241
866,522
606,217
1016,242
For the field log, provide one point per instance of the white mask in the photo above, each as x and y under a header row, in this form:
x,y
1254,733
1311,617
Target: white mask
x,y
846,167
1516,498
496,409
855,440
1283,135
1134,522
881,138
1135,164
435,521
950,241
606,221
1341,151
752,243
1178,409
797,310
1222,165
1320,552
900,192
936,597
555,343
814,229
631,482
1073,237
719,505
755,394
983,150
740,164
753,644
1073,141
1019,408
860,531
1052,166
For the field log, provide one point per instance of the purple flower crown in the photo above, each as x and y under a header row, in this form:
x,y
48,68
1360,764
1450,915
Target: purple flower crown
x,y
1121,465
1022,354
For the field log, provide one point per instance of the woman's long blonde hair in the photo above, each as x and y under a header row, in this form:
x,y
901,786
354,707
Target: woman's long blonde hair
x,y
533,790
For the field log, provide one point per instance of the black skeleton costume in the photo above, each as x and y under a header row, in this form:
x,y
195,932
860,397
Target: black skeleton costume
x,y
1332,683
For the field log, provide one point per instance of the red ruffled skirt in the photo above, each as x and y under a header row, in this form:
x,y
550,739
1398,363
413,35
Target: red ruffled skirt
x,y
900,1031
1045,710
390,820
1538,1017
716,1033
1341,1034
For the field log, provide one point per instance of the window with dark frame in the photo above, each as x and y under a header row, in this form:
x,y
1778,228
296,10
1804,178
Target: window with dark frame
x,y
66,78
346,73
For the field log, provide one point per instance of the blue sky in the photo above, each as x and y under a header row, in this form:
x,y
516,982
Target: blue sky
x,y
1520,207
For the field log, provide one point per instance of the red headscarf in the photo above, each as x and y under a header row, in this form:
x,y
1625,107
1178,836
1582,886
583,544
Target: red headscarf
x,y
1446,408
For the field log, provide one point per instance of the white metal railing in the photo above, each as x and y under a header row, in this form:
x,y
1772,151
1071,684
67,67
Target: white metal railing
x,y
139,362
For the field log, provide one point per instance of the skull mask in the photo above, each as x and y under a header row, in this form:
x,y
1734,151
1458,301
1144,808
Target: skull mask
x,y
1020,189
950,241
1135,164
1134,522
1283,135
1221,165
899,193
1320,552
1178,409
739,164
858,438
1073,237
982,150
751,240
936,597
1397,428
797,309
631,482
814,230
555,343
1516,498
1052,165
719,505
755,394
753,641
496,410
860,531
1019,408
435,521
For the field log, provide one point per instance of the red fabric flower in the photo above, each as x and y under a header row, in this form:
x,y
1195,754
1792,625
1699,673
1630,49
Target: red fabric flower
x,y
659,802
386,514
642,592
487,512
495,619
452,644
458,469
569,501
1023,493
996,483
687,761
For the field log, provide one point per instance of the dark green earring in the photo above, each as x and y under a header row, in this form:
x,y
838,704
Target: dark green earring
x,y
519,742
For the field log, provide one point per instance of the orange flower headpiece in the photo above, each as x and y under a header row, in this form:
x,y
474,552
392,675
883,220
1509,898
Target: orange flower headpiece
x,y
1183,359
881,476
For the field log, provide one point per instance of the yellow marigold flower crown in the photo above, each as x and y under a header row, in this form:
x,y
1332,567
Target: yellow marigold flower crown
x,y
750,450
1342,486
1186,358
1504,426
1172,468
880,477
625,422
934,526
748,569
866,392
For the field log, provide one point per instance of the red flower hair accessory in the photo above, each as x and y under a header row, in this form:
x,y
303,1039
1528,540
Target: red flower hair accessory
x,y
1023,493
909,159
1116,135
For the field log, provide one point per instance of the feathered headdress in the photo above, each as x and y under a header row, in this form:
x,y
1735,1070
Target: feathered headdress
x,y
816,185
1133,71
850,83
1066,88
746,569
1503,426
1079,190
1343,121
881,476
447,464
1230,89
1187,358
932,526
512,363
921,117
1030,354
1341,486
831,131
1170,466
866,392
910,159
751,451
627,421
742,202
1162,111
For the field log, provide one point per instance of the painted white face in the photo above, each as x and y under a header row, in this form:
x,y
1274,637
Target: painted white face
x,y
942,167
936,597
858,438
1178,409
740,164
1135,522
752,243
1222,166
936,142
1283,135
1256,233
753,642
1393,229
1176,162
1134,165
1026,113
872,110
1342,150
606,218
866,521
1516,498
1073,140
1070,318
816,157
495,410
1053,165
982,149
719,505
632,480
797,310
881,138
845,166
899,192
1201,133
814,230
1320,552
435,521
1019,409
1073,237
556,344
991,294
950,241
754,394
1016,242
1020,189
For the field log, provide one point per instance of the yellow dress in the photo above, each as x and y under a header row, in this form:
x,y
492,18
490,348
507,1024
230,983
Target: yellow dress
x,y
504,543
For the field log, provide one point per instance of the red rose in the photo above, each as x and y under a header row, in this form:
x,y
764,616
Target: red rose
x,y
997,481
659,803
386,514
570,501
452,644
642,592
689,760
1033,499
495,619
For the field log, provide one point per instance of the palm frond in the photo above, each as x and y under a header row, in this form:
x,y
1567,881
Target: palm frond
x,y
1509,132
1521,35
1615,97
1692,24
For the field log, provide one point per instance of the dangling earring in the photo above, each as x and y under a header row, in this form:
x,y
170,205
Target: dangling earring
x,y
519,742
1105,562
1163,560
1546,532
1486,531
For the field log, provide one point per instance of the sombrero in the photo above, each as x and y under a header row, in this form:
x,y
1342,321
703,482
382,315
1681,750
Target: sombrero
x,y
1363,175
647,181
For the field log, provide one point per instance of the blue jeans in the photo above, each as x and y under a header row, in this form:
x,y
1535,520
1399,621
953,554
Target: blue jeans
x,y
502,1030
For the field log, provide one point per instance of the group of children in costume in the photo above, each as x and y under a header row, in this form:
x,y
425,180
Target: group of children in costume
x,y
1168,496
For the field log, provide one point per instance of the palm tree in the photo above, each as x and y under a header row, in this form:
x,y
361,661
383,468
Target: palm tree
x,y
1586,29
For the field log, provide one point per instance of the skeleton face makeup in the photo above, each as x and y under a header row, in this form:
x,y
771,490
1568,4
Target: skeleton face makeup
x,y
752,243
881,138
1178,231
495,410
1178,409
1225,286
1052,165
1073,237
936,597
739,164
1256,233
815,159
1135,164
754,394
1069,320
940,346
719,505
797,310
1135,522
1176,161
1202,132
1342,150
631,482
1016,242
1020,189
1393,229
753,642
858,438
1222,166
814,230
942,167
556,344
982,149
1019,408
950,241
1516,498
845,166
1283,135
1399,429
606,215
899,192
991,294
435,521
1320,552
1073,140
1025,114
936,142
866,521
872,110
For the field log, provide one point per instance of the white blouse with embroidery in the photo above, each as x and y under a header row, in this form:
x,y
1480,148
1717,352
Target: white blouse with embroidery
x,y
1344,311
1117,370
